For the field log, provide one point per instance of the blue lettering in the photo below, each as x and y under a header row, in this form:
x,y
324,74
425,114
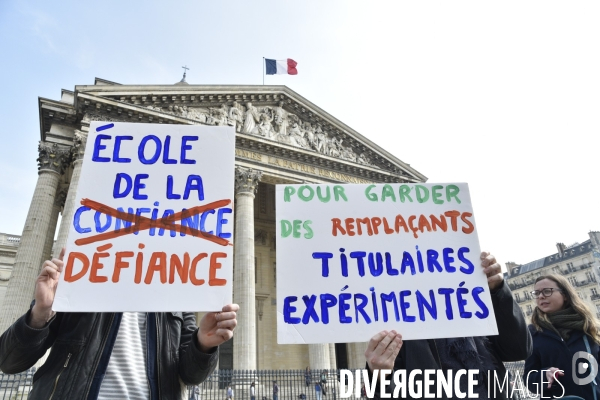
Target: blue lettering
x,y
185,147
344,306
166,159
310,309
327,301
405,305
324,257
194,182
288,309
386,298
484,310
422,304
447,292
142,149
470,267
98,146
359,256
448,259
222,221
117,149
138,185
360,308
77,218
117,193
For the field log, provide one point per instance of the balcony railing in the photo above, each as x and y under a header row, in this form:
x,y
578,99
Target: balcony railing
x,y
595,297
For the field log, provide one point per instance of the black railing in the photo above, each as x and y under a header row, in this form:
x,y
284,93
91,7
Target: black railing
x,y
291,384
16,386
595,296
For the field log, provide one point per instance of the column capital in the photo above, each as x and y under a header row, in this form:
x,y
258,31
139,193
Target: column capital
x,y
246,180
79,142
53,157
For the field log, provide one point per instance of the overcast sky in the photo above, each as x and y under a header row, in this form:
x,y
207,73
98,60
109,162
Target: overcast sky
x,y
502,95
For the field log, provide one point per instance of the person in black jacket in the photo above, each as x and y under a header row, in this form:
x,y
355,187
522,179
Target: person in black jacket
x,y
386,350
561,326
111,355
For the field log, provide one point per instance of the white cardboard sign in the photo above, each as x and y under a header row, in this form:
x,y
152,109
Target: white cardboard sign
x,y
353,260
152,228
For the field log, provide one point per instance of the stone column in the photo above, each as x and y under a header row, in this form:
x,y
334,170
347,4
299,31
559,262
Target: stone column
x,y
53,160
59,201
79,141
318,356
356,355
246,183
332,362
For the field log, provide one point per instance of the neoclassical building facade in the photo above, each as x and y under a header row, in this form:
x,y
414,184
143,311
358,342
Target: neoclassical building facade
x,y
281,138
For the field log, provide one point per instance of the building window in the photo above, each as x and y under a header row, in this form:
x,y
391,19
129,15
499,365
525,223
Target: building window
x,y
529,309
517,297
590,276
594,292
570,266
573,281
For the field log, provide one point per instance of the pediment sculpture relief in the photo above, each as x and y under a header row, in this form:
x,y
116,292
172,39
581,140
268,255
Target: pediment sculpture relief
x,y
273,123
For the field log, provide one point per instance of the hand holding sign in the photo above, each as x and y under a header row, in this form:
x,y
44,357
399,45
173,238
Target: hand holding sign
x,y
492,269
45,288
217,328
383,349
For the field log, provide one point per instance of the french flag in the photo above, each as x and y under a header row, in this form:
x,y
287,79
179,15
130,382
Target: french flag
x,y
275,67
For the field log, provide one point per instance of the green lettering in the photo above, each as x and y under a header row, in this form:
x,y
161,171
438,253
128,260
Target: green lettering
x,y
320,195
452,191
370,196
286,228
311,193
422,193
387,191
435,195
338,191
404,192
309,232
297,224
287,193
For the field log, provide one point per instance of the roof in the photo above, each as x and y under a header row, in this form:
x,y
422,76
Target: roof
x,y
569,253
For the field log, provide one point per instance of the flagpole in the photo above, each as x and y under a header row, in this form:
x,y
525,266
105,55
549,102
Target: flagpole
x,y
263,68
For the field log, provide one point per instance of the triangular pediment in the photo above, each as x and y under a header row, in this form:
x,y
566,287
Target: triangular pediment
x,y
270,121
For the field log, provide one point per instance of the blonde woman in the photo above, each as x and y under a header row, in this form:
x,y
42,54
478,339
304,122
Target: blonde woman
x,y
563,329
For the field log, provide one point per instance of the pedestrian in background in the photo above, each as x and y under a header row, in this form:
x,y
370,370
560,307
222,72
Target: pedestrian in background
x,y
562,326
275,391
318,390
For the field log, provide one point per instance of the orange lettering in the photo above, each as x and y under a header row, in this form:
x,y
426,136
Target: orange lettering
x,y
337,225
470,227
119,264
195,261
214,266
69,277
182,269
158,263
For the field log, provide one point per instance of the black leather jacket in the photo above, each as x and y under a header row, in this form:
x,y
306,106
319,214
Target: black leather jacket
x,y
78,341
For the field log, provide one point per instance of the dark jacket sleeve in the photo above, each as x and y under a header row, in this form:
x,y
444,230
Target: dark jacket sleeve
x,y
194,365
21,346
513,342
531,371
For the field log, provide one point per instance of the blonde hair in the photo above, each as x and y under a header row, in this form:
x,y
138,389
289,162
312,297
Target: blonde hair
x,y
590,322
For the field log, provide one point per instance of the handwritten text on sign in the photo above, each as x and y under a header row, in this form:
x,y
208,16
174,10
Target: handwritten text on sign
x,y
353,260
153,220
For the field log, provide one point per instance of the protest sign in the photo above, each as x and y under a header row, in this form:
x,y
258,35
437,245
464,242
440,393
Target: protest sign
x,y
353,260
152,228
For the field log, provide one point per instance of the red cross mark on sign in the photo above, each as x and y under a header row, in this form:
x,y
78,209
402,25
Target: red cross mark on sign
x,y
139,223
